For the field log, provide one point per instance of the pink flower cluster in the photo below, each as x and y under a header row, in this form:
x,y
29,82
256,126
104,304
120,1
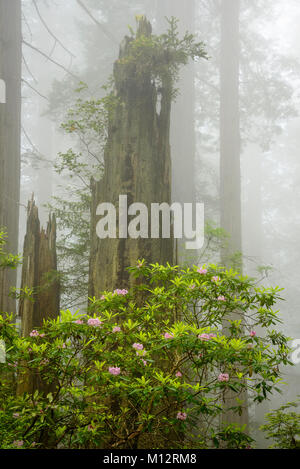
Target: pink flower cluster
x,y
18,443
215,279
179,374
13,364
252,333
138,346
114,370
181,416
116,329
206,337
79,321
202,271
120,292
221,298
94,322
168,336
35,333
223,377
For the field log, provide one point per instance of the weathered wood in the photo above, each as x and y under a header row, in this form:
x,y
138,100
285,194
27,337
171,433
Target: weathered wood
x,y
39,272
137,164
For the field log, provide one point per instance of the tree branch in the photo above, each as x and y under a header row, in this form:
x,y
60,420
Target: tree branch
x,y
49,58
49,30
28,69
101,26
34,89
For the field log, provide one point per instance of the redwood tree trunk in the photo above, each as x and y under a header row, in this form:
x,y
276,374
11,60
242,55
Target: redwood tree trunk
x,y
10,124
137,164
230,173
39,273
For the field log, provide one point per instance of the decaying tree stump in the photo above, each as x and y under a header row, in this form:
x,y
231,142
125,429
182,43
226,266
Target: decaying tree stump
x,y
137,164
39,272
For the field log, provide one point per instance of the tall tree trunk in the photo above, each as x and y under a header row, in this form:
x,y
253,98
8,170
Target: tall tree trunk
x,y
137,164
10,124
230,173
39,273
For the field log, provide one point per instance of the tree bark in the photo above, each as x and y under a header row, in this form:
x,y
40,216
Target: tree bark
x,y
137,164
10,125
230,173
39,273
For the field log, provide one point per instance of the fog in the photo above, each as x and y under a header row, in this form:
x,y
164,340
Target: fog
x,y
234,136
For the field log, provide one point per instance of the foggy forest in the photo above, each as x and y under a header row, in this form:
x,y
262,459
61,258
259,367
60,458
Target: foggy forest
x,y
149,262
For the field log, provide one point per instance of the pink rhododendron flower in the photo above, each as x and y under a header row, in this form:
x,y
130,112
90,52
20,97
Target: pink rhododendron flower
x,y
253,333
215,279
212,336
168,336
102,297
34,333
120,292
79,321
18,443
42,335
144,362
94,322
204,337
178,374
181,416
223,377
221,298
116,329
202,271
114,370
138,346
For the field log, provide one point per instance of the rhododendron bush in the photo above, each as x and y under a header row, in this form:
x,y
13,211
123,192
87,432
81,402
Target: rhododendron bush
x,y
145,367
